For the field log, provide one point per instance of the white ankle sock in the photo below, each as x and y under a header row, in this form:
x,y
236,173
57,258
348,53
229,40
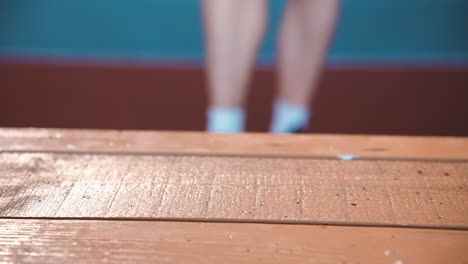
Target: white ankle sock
x,y
288,118
225,119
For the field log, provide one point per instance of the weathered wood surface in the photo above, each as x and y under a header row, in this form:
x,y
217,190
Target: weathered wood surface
x,y
91,176
416,193
359,146
90,241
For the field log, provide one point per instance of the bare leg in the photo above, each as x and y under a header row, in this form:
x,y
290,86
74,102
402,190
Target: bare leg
x,y
234,30
305,33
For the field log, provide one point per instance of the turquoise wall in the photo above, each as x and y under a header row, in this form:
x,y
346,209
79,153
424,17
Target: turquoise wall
x,y
170,30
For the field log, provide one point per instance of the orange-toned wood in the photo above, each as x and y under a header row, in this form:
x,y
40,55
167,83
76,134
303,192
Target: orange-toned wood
x,y
86,241
131,176
417,193
359,146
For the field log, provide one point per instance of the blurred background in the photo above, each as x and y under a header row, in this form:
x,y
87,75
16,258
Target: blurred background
x,y
394,67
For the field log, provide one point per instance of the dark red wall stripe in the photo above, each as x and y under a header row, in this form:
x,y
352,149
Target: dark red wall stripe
x,y
415,101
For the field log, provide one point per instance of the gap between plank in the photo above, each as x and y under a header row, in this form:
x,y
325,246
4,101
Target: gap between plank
x,y
198,154
240,221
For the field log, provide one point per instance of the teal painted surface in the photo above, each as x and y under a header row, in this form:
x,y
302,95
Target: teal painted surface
x,y
170,30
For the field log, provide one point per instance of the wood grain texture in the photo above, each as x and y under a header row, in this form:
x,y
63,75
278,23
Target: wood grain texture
x,y
359,146
89,241
418,193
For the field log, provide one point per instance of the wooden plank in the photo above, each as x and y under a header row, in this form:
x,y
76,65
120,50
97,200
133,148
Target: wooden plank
x,y
330,146
89,241
419,193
